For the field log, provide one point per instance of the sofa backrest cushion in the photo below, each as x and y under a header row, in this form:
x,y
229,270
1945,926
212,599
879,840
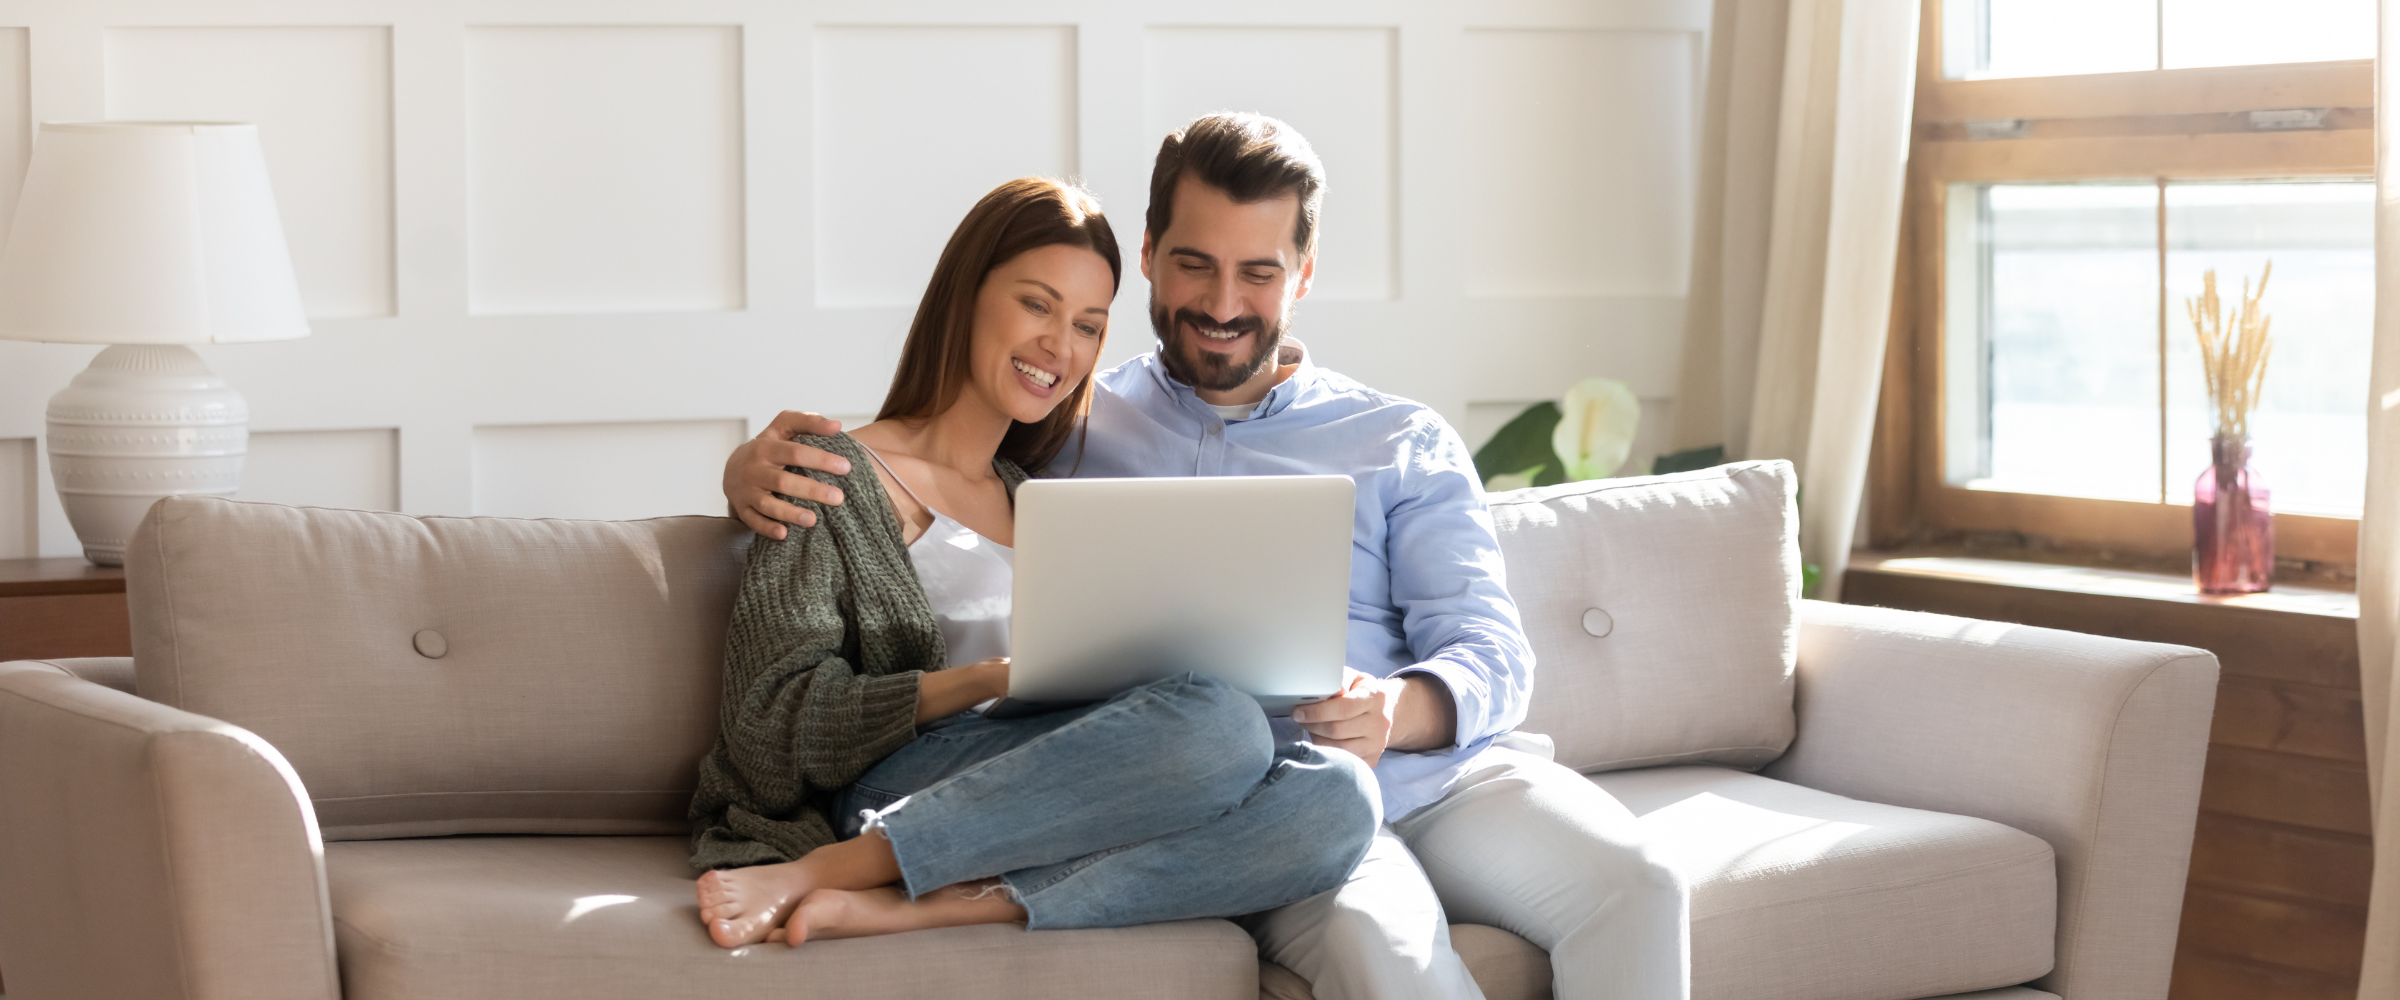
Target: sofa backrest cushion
x,y
446,675
1662,612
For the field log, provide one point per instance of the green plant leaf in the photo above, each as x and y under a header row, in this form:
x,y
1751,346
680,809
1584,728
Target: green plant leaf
x,y
1688,460
1521,447
1507,481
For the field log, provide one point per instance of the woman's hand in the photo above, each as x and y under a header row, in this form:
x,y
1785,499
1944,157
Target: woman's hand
x,y
942,693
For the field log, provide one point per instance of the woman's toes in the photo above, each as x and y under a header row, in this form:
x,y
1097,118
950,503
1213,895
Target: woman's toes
x,y
742,907
734,933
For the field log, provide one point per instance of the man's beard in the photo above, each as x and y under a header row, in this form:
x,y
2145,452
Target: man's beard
x,y
1209,370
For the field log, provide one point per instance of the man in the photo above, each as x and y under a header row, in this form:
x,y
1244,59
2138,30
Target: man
x,y
1439,664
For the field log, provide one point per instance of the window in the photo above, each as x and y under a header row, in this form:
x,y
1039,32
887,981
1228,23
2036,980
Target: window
x,y
1992,38
2068,190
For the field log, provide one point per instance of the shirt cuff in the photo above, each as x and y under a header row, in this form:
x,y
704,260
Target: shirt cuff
x,y
1458,681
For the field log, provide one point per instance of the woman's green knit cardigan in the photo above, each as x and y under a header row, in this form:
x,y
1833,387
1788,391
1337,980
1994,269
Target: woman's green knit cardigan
x,y
829,634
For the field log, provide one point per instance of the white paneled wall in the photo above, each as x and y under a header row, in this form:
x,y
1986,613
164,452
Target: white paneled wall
x,y
913,124
604,169
560,255
359,469
607,470
322,98
1574,137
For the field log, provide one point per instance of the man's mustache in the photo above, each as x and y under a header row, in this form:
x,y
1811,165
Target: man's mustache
x,y
1202,321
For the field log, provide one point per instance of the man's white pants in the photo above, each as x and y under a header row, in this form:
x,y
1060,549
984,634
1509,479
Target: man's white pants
x,y
1521,844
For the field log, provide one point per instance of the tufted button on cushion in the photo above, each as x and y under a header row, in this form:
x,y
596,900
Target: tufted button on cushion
x,y
432,646
1598,623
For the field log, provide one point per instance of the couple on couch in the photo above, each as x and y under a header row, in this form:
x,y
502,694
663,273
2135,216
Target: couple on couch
x,y
855,790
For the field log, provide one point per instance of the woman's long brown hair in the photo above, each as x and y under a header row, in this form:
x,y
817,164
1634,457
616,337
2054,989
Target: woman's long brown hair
x,y
1024,214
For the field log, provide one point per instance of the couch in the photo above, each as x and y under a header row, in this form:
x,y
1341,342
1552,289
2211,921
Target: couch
x,y
376,756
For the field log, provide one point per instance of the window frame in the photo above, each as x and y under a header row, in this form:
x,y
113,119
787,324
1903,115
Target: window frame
x,y
2171,124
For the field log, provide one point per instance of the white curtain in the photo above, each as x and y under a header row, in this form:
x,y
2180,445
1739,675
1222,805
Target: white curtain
x,y
2379,538
1803,163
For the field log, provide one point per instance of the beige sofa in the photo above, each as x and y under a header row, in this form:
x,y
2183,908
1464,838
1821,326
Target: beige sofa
x,y
378,756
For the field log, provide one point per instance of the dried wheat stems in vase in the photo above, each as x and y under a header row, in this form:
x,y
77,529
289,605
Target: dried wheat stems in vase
x,y
2235,359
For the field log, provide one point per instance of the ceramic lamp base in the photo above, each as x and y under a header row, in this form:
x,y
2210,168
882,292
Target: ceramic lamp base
x,y
143,422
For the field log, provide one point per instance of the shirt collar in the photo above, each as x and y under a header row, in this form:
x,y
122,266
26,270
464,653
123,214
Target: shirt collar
x,y
1292,355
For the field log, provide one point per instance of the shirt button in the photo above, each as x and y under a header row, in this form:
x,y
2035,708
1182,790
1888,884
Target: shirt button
x,y
1214,431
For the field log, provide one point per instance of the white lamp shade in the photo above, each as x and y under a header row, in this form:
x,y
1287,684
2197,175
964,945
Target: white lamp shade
x,y
148,233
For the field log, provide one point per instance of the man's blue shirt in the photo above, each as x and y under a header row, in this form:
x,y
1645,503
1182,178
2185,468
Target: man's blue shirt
x,y
1427,591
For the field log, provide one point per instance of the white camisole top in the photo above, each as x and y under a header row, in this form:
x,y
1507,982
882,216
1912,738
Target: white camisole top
x,y
967,578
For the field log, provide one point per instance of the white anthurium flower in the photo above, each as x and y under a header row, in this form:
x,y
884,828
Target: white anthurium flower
x,y
1595,428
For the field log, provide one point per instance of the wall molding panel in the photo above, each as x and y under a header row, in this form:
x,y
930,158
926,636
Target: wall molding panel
x,y
604,169
560,255
322,99
1567,124
357,469
611,471
902,150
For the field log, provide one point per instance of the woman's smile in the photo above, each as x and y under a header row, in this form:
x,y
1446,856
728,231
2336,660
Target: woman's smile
x,y
1040,381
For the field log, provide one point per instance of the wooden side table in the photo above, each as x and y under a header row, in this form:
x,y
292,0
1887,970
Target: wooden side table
x,y
62,607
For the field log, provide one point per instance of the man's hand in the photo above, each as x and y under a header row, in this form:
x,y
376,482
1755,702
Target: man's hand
x,y
1371,714
755,473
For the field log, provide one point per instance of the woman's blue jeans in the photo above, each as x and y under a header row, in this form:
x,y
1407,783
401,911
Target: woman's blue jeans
x,y
1169,801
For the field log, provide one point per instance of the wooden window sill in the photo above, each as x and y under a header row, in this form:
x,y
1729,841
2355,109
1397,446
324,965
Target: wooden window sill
x,y
1902,567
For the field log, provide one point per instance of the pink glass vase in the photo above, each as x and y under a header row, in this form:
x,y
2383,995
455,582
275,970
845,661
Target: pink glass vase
x,y
2233,533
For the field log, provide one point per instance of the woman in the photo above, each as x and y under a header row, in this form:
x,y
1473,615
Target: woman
x,y
853,790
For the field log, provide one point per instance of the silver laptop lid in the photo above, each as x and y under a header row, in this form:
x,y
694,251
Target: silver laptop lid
x,y
1122,581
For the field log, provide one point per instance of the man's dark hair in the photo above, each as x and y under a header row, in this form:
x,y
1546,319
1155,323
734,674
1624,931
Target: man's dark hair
x,y
1250,157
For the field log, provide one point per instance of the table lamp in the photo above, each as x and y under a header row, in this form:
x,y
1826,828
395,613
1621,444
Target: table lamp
x,y
145,236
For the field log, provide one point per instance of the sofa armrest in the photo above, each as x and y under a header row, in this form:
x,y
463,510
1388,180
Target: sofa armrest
x,y
151,852
106,671
2091,743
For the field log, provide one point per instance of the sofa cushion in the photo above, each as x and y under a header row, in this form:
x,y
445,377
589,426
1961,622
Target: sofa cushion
x,y
1799,894
439,675
1662,614
1505,967
613,917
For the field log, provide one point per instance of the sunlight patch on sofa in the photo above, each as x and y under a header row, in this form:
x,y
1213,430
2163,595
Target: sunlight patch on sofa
x,y
588,904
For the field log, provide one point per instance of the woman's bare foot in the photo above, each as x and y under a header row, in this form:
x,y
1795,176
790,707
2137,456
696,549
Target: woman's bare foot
x,y
829,914
741,905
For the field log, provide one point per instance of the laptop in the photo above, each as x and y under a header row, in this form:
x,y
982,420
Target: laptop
x,y
1124,581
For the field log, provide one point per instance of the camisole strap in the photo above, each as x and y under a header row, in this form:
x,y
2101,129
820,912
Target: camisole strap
x,y
887,468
